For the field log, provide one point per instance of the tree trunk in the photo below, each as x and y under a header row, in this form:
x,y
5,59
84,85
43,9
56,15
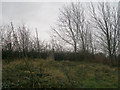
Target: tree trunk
x,y
75,48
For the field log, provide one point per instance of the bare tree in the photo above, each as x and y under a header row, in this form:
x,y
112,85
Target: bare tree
x,y
37,41
105,21
72,26
119,28
24,38
6,38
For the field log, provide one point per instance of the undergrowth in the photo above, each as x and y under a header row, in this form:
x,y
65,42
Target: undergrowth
x,y
58,74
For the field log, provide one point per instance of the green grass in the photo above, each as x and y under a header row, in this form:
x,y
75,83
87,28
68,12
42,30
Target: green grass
x,y
55,74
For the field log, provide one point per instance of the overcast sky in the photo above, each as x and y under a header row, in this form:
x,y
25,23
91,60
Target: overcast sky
x,y
39,15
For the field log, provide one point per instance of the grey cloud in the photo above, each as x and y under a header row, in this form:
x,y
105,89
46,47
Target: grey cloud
x,y
35,15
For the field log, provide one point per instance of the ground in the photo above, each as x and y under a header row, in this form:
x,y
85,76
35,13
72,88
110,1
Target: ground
x,y
58,74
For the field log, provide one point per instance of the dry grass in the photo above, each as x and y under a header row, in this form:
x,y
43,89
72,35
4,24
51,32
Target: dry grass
x,y
64,74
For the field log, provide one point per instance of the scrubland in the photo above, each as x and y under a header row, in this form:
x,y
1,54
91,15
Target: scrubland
x,y
58,74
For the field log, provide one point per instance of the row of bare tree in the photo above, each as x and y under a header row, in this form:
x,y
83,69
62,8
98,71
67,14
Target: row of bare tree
x,y
92,28
18,42
86,28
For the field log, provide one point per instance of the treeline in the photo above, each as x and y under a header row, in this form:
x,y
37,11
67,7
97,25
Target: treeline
x,y
19,43
80,34
91,27
16,44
